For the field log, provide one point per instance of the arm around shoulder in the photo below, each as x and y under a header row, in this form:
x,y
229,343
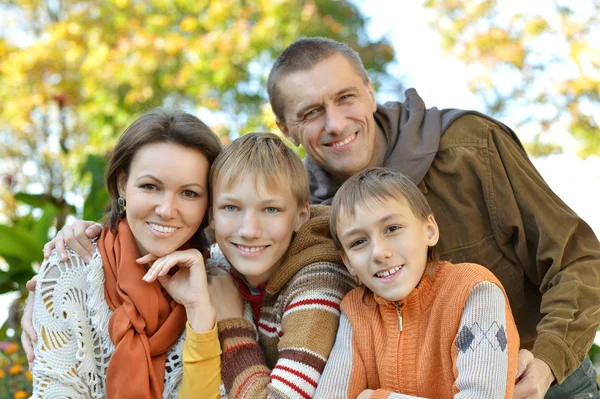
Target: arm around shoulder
x,y
557,250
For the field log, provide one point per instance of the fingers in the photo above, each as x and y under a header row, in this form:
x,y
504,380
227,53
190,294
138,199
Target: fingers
x,y
159,268
48,247
78,240
59,245
92,229
30,285
28,337
524,361
149,258
28,348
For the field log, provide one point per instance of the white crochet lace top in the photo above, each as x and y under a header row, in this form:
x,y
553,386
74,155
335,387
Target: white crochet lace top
x,y
71,318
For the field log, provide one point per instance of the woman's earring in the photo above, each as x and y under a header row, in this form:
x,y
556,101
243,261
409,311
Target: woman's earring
x,y
122,206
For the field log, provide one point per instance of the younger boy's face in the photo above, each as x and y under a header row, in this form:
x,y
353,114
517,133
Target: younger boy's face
x,y
385,246
254,223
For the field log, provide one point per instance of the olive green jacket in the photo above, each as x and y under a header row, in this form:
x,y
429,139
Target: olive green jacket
x,y
493,208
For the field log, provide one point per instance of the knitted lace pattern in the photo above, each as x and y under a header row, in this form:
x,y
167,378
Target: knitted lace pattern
x,y
71,320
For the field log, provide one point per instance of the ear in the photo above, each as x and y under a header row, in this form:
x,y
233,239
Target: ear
x,y
303,216
286,132
121,183
346,262
433,232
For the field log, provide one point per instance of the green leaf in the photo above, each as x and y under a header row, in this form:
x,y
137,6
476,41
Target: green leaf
x,y
19,243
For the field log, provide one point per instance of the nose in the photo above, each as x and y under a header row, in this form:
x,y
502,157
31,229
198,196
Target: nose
x,y
167,208
250,226
382,250
335,122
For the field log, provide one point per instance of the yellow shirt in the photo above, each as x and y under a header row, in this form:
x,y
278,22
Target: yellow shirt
x,y
201,365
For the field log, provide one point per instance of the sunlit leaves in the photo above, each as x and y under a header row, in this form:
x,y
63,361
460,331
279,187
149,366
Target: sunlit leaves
x,y
545,60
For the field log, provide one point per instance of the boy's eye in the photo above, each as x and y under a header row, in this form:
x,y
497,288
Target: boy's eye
x,y
357,243
230,208
271,210
391,229
189,194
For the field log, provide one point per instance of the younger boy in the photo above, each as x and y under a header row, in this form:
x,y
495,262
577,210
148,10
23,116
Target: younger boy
x,y
417,327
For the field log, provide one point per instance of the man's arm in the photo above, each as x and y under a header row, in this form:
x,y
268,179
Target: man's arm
x,y
558,251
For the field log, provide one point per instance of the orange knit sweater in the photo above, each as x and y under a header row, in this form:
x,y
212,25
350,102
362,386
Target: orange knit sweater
x,y
439,352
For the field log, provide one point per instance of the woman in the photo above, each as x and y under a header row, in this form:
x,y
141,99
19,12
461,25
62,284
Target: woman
x,y
104,331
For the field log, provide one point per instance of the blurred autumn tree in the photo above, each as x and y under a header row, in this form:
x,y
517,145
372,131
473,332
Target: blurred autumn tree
x,y
542,64
74,73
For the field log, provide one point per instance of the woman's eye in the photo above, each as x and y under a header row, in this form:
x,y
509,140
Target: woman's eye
x,y
271,210
190,194
149,186
230,208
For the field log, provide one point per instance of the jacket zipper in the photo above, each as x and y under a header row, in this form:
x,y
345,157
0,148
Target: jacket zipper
x,y
399,313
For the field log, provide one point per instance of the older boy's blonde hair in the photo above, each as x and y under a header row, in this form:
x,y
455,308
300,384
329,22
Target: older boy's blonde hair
x,y
265,156
377,185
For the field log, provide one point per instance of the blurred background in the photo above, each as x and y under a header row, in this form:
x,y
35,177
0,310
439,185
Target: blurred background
x,y
73,74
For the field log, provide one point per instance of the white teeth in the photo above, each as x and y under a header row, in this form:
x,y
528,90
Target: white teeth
x,y
250,249
346,141
162,229
386,273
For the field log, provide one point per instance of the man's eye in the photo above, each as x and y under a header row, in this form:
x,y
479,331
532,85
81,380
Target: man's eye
x,y
310,113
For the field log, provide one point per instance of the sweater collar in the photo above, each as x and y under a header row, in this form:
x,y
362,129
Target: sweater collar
x,y
424,293
312,243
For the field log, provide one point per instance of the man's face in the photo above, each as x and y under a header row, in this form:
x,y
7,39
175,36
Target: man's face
x,y
329,110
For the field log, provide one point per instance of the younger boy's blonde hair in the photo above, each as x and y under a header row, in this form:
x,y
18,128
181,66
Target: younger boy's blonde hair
x,y
378,185
265,156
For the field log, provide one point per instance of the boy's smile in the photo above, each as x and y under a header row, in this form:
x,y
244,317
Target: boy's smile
x,y
385,246
254,223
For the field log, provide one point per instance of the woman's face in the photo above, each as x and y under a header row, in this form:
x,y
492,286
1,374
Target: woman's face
x,y
166,193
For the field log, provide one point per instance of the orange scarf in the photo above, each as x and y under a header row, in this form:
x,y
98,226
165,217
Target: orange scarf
x,y
145,323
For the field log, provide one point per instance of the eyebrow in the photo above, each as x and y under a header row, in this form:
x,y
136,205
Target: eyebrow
x,y
156,179
357,230
302,110
233,198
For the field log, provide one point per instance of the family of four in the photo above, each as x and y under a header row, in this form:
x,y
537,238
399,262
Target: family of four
x,y
444,267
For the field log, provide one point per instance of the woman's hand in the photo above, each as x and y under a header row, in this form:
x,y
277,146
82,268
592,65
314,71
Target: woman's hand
x,y
188,286
77,236
28,336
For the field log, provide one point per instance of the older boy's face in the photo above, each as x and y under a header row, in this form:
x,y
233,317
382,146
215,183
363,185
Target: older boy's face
x,y
329,110
385,246
254,223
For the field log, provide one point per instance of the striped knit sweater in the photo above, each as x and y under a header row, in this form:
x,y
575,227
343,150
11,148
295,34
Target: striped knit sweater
x,y
458,340
297,324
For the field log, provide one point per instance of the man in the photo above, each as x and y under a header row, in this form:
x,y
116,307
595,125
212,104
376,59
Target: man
x,y
492,206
